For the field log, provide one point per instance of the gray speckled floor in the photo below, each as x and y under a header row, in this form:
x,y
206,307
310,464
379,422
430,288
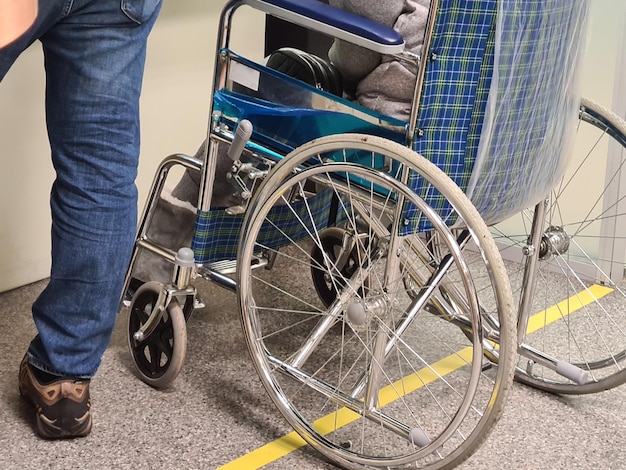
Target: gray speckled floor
x,y
217,411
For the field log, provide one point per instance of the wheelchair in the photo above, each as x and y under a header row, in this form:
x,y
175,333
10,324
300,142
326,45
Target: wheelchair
x,y
371,257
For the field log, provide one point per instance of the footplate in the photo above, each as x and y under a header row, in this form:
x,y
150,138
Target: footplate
x,y
230,266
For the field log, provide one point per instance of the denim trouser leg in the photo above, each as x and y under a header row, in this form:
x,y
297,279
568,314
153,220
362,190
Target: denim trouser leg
x,y
94,58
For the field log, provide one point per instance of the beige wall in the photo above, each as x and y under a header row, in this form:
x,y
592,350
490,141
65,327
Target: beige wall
x,y
174,118
604,59
174,115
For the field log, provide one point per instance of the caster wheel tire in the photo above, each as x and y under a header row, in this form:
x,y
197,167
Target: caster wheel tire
x,y
160,356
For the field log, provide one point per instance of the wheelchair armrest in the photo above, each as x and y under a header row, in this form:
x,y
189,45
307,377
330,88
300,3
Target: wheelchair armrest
x,y
341,24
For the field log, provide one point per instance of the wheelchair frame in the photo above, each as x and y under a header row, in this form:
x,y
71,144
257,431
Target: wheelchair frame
x,y
454,272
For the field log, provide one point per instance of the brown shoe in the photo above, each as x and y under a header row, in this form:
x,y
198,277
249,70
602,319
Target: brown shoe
x,y
63,406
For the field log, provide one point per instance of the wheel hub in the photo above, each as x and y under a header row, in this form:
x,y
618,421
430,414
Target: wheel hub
x,y
555,241
360,312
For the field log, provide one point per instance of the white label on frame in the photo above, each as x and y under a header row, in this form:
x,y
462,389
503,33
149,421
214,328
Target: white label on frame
x,y
244,75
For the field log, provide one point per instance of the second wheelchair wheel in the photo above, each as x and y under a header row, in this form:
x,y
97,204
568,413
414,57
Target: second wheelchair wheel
x,y
160,356
578,304
374,378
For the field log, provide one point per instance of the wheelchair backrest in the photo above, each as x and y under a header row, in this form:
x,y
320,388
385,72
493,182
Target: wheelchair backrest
x,y
499,97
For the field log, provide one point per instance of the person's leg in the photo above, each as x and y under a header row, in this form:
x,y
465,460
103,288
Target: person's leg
x,y
94,59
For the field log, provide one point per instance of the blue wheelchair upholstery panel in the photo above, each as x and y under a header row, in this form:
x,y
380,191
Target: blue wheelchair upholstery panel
x,y
283,128
287,113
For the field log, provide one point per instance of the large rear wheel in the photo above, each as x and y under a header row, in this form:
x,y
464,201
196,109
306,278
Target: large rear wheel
x,y
371,376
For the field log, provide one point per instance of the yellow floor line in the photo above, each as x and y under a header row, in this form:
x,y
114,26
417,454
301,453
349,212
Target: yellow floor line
x,y
343,416
285,445
267,453
560,310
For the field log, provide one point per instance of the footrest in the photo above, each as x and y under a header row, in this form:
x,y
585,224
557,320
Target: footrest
x,y
230,266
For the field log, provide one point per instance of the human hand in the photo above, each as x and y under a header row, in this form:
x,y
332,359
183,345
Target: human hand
x,y
16,16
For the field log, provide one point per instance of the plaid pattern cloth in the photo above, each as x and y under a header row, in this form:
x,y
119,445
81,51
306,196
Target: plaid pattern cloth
x,y
454,95
533,105
216,234
517,57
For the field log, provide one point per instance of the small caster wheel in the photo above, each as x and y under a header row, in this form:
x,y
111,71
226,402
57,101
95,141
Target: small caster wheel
x,y
160,356
327,283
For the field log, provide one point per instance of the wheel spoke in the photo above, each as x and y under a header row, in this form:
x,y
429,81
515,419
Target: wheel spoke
x,y
578,305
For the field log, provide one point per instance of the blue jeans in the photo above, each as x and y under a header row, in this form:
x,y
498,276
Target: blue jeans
x,y
94,54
